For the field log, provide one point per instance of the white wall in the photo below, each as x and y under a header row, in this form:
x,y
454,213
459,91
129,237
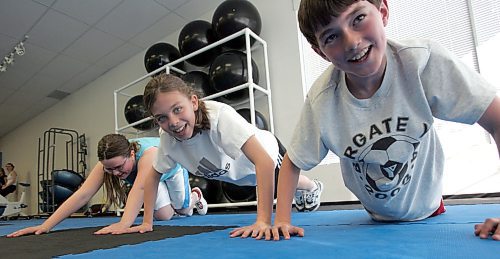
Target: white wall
x,y
90,111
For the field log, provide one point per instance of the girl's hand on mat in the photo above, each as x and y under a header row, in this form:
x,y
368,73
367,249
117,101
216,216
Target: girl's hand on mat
x,y
115,229
490,227
258,230
37,230
286,230
140,229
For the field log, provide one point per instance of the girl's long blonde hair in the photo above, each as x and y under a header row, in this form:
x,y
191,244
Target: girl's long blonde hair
x,y
110,146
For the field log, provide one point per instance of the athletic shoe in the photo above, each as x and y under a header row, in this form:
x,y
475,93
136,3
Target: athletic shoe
x,y
299,200
313,198
201,205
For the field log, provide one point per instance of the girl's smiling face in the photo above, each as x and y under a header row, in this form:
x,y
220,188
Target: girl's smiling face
x,y
175,113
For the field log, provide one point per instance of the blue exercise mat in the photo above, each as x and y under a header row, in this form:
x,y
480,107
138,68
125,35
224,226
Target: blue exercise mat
x,y
329,234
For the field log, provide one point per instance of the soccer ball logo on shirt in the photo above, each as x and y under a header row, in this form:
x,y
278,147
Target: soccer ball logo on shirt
x,y
387,165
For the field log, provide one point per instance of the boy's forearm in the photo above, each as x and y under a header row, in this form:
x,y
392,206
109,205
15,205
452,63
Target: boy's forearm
x,y
287,184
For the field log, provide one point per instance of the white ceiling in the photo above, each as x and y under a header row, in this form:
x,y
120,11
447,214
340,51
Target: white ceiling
x,y
73,42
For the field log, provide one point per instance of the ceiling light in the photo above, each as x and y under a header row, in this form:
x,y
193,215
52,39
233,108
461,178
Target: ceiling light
x,y
19,49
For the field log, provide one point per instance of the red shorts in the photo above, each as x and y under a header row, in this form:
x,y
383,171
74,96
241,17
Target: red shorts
x,y
440,210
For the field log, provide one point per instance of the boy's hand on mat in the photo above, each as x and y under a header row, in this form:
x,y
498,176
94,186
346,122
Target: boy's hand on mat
x,y
258,230
115,229
286,230
143,228
490,227
37,230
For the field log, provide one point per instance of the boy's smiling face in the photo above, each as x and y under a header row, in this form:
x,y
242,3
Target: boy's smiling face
x,y
355,41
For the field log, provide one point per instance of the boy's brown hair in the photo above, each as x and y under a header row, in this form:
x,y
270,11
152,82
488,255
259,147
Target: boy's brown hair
x,y
314,14
167,83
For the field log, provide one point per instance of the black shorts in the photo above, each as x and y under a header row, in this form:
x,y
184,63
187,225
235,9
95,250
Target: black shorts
x,y
281,155
7,190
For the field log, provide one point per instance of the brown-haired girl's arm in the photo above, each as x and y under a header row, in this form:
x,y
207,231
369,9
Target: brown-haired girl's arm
x,y
264,170
135,197
81,197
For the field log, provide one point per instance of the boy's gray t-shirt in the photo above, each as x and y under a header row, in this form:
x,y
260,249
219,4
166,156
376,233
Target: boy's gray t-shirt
x,y
390,154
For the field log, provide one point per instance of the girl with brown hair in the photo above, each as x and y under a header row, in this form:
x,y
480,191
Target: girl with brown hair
x,y
123,161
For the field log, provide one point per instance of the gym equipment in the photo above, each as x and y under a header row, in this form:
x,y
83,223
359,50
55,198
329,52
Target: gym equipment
x,y
67,178
194,36
135,111
260,120
232,16
199,81
65,183
8,208
56,185
61,193
161,54
219,72
228,70
211,189
236,193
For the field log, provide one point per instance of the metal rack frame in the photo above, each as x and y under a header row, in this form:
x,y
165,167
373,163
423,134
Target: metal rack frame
x,y
250,85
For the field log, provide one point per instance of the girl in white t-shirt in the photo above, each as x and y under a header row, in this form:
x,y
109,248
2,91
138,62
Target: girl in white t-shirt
x,y
211,140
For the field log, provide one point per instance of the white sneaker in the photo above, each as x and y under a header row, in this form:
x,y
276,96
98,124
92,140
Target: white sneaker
x,y
201,205
299,200
313,198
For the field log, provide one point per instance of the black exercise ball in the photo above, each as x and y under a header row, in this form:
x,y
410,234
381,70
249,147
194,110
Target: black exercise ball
x,y
211,189
260,120
236,193
199,81
228,70
161,54
232,16
194,36
61,193
135,110
67,178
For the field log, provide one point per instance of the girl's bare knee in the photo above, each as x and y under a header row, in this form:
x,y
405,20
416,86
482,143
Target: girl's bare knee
x,y
165,213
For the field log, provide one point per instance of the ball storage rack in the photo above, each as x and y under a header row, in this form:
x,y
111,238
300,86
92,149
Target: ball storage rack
x,y
255,91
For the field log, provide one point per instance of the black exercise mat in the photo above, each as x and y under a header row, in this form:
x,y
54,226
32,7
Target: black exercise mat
x,y
81,240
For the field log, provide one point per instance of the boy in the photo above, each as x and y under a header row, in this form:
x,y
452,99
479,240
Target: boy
x,y
381,95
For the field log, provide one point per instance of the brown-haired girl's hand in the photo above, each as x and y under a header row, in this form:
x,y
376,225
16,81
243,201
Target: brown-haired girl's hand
x,y
143,228
115,229
258,230
287,230
37,230
490,227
